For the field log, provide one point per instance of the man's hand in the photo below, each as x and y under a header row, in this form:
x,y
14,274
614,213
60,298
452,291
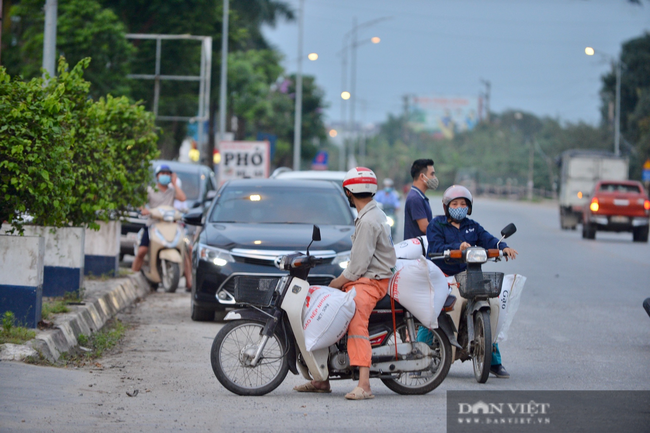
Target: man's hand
x,y
144,211
510,253
174,178
339,282
465,245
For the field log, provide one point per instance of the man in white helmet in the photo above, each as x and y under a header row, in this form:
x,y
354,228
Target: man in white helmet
x,y
372,261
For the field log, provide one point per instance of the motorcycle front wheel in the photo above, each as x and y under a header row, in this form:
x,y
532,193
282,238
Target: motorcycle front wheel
x,y
170,275
235,347
482,347
422,382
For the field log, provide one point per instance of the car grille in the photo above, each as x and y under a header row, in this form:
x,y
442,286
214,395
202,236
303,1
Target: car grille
x,y
258,289
266,262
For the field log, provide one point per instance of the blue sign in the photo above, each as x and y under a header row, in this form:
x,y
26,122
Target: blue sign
x,y
646,175
320,161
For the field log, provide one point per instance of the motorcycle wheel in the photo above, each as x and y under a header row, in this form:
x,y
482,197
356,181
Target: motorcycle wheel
x,y
234,348
418,383
170,275
482,347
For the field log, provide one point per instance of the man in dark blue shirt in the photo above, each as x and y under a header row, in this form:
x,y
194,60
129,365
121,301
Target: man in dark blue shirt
x,y
417,211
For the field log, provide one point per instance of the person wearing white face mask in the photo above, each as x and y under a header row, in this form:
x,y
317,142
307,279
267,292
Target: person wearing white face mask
x,y
454,231
417,211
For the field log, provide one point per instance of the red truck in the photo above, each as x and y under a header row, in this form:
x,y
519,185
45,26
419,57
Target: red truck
x,y
617,206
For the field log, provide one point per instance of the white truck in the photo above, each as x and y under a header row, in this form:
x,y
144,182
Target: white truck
x,y
580,170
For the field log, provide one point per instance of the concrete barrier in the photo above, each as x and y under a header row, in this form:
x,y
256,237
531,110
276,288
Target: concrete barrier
x,y
103,249
21,282
64,258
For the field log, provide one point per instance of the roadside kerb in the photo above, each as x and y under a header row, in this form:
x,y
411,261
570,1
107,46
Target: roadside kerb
x,y
99,307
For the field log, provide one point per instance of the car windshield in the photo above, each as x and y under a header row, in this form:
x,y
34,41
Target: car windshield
x,y
618,187
277,205
189,184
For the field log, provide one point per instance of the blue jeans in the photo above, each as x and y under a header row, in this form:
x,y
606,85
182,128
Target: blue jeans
x,y
426,336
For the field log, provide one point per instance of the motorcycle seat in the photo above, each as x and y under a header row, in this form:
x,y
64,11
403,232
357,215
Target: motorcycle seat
x,y
384,304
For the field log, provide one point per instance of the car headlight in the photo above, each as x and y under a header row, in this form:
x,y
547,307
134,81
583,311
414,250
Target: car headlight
x,y
214,255
476,255
342,259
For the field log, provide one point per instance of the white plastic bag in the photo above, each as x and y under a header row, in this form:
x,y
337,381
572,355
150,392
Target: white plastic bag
x,y
326,316
508,303
412,249
421,288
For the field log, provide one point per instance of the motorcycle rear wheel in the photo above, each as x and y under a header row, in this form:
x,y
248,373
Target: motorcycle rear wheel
x,y
234,348
482,347
419,383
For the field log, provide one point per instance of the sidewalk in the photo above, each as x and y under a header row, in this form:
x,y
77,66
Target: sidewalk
x,y
102,301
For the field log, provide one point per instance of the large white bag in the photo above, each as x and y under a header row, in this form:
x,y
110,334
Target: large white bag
x,y
508,303
326,315
421,288
412,249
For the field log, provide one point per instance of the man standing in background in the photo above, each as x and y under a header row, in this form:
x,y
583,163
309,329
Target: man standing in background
x,y
417,211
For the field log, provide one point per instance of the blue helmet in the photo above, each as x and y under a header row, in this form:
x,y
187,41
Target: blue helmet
x,y
162,167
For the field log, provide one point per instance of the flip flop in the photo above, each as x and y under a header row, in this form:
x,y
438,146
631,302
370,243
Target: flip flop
x,y
358,393
309,387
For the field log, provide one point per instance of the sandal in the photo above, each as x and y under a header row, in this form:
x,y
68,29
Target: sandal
x,y
359,393
309,387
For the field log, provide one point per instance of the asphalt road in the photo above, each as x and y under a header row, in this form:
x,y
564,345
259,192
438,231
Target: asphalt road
x,y
580,326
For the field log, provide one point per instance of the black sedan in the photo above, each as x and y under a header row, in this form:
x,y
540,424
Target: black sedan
x,y
251,224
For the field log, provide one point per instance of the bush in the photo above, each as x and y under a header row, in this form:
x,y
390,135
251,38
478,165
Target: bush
x,y
66,159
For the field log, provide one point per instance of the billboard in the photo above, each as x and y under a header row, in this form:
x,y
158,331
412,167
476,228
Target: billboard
x,y
244,160
443,116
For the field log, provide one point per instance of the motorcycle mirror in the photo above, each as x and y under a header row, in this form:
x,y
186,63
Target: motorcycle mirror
x,y
315,234
508,230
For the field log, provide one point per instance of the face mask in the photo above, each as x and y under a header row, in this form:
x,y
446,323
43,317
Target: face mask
x,y
458,214
164,179
349,196
389,190
432,183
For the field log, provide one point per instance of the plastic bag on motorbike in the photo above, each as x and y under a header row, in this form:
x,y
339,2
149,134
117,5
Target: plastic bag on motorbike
x,y
412,249
326,316
509,299
421,287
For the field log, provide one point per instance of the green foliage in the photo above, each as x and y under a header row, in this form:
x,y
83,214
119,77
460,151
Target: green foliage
x,y
50,308
10,333
98,343
65,159
84,29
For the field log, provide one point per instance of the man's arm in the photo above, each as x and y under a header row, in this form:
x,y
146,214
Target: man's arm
x,y
363,248
423,224
179,194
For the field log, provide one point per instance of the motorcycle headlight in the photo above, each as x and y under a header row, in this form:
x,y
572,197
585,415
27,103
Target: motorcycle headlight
x,y
342,259
476,255
214,255
391,221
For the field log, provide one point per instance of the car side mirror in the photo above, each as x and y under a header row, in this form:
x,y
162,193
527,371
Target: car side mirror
x,y
508,230
194,217
210,196
315,234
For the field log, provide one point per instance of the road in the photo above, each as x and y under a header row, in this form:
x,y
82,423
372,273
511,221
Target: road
x,y
580,326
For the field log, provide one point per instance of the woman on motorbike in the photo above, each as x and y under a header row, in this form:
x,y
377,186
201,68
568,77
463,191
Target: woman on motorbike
x,y
454,231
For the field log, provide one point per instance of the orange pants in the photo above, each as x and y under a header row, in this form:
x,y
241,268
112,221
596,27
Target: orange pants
x,y
369,292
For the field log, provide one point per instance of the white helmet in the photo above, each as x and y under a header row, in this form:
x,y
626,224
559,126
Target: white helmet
x,y
454,192
360,180
388,183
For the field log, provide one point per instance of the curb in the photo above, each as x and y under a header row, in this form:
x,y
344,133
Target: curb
x,y
88,318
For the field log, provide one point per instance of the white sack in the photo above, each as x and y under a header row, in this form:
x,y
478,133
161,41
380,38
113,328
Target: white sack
x,y
412,249
508,303
326,315
411,286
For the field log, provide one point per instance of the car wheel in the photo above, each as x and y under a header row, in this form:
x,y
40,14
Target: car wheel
x,y
640,234
201,314
588,231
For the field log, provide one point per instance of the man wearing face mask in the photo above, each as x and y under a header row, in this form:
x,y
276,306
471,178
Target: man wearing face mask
x,y
163,194
454,231
417,211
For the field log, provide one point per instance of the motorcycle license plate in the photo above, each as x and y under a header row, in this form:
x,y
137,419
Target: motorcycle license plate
x,y
619,220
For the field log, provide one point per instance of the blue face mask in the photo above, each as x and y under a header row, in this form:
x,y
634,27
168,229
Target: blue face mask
x,y
164,179
459,213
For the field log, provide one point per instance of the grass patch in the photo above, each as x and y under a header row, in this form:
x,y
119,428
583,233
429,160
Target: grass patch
x,y
94,346
56,306
75,297
10,333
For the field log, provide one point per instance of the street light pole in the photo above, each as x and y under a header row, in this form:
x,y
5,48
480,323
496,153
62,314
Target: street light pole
x,y
297,127
617,122
224,74
49,37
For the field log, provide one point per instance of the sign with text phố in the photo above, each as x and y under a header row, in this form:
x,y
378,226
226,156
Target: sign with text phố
x,y
244,160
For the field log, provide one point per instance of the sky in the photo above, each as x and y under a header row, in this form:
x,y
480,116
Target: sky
x,y
531,51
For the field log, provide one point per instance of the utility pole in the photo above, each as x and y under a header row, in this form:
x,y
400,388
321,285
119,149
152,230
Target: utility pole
x,y
353,85
531,160
617,124
297,126
224,75
49,37
1,15
488,86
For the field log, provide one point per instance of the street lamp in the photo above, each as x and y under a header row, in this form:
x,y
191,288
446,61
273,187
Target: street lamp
x,y
312,56
617,120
